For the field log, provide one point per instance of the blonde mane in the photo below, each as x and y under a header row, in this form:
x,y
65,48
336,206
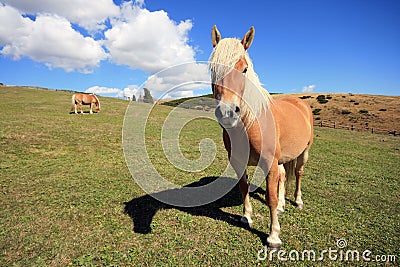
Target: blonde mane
x,y
98,101
222,61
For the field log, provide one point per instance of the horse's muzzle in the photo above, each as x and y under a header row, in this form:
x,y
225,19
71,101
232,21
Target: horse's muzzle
x,y
227,115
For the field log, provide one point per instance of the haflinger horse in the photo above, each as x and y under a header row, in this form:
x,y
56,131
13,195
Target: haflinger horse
x,y
279,132
80,99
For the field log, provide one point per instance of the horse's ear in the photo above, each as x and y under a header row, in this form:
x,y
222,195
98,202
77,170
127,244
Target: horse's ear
x,y
248,38
215,36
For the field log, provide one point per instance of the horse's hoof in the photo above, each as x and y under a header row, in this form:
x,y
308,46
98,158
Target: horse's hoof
x,y
274,247
274,243
279,212
246,222
300,206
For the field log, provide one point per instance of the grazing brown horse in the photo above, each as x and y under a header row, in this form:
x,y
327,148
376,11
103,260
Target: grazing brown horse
x,y
85,99
277,133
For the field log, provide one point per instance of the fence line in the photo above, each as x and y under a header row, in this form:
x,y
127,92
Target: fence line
x,y
372,130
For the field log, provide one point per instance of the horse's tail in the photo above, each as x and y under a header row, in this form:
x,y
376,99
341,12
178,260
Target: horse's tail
x,y
290,168
73,102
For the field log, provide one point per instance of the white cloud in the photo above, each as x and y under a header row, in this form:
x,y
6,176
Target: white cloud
x,y
127,92
12,24
139,3
49,39
178,94
147,40
90,15
133,36
182,78
102,90
308,89
130,91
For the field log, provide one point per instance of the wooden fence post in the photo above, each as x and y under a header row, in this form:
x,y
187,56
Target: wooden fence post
x,y
352,128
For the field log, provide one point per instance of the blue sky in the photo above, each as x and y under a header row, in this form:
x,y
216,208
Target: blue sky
x,y
113,47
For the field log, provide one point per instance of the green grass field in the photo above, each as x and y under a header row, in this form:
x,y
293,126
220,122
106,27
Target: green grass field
x,y
67,197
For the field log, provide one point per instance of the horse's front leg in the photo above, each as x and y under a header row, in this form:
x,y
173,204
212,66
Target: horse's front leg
x,y
91,108
239,164
244,190
273,239
247,208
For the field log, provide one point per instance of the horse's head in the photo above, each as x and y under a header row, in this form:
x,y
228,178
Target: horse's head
x,y
228,66
97,102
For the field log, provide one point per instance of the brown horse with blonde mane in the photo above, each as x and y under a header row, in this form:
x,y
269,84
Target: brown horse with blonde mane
x,y
80,99
274,134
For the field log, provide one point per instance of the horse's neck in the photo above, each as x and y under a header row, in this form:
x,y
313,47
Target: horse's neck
x,y
255,101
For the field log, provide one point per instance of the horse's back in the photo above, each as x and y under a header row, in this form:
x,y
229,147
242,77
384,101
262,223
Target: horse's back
x,y
294,121
294,106
77,97
84,98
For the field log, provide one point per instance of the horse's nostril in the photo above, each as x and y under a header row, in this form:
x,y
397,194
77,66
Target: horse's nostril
x,y
237,109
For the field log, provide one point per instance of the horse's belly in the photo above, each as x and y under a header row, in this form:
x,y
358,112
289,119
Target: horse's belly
x,y
291,148
285,158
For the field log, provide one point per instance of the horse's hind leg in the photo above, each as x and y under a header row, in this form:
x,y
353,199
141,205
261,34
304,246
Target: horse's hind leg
x,y
281,190
301,161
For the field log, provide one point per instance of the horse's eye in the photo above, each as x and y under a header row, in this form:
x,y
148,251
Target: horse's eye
x,y
244,71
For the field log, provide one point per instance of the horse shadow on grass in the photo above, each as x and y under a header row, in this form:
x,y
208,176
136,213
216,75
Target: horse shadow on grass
x,y
143,209
84,112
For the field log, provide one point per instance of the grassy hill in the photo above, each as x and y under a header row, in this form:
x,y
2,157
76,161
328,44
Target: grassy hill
x,y
363,112
68,199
